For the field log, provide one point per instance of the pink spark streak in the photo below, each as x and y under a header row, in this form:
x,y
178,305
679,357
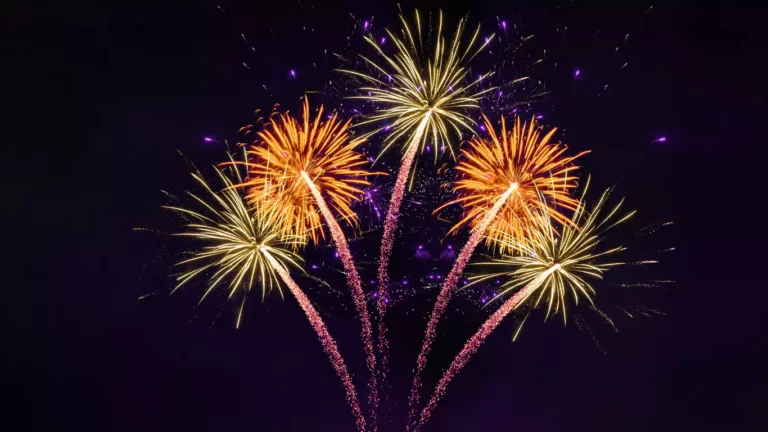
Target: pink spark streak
x,y
388,239
357,293
445,296
329,345
473,344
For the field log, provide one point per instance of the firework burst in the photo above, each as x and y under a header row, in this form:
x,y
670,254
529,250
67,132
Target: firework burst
x,y
247,248
523,158
233,235
547,269
310,169
504,184
289,151
421,96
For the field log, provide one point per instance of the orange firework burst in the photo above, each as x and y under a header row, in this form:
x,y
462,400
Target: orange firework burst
x,y
521,160
321,149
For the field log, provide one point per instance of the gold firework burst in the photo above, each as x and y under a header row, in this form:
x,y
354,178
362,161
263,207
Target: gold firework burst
x,y
559,266
422,94
237,241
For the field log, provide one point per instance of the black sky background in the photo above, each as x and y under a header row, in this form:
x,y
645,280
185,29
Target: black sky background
x,y
101,97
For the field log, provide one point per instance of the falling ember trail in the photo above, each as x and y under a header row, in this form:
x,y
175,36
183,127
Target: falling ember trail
x,y
445,296
387,240
473,344
329,345
357,293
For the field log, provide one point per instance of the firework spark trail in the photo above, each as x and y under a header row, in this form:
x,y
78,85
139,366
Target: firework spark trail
x,y
329,345
357,293
387,240
445,296
473,344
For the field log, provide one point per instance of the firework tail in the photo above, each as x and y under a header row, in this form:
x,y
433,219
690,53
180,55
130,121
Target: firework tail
x,y
329,345
445,296
473,344
357,293
387,240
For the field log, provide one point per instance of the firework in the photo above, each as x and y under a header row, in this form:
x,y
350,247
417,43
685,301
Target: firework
x,y
310,168
422,96
233,234
552,266
246,248
500,186
324,151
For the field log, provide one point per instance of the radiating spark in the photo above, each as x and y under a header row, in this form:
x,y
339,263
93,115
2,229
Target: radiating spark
x,y
233,235
548,264
520,156
322,149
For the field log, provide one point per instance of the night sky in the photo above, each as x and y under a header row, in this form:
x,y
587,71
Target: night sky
x,y
105,100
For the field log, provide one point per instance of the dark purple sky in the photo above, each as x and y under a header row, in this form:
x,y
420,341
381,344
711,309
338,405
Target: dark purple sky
x,y
106,95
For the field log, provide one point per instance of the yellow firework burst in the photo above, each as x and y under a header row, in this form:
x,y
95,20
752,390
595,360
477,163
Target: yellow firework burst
x,y
292,154
559,266
516,166
422,95
237,242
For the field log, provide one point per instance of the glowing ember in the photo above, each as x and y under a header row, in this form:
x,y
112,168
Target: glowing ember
x,y
473,344
447,291
388,238
329,345
357,291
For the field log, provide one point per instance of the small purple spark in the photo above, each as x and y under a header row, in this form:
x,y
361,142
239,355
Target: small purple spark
x,y
208,139
539,117
370,159
577,73
387,127
504,25
293,73
365,25
514,110
375,294
421,247
660,139
429,149
383,40
482,128
315,266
